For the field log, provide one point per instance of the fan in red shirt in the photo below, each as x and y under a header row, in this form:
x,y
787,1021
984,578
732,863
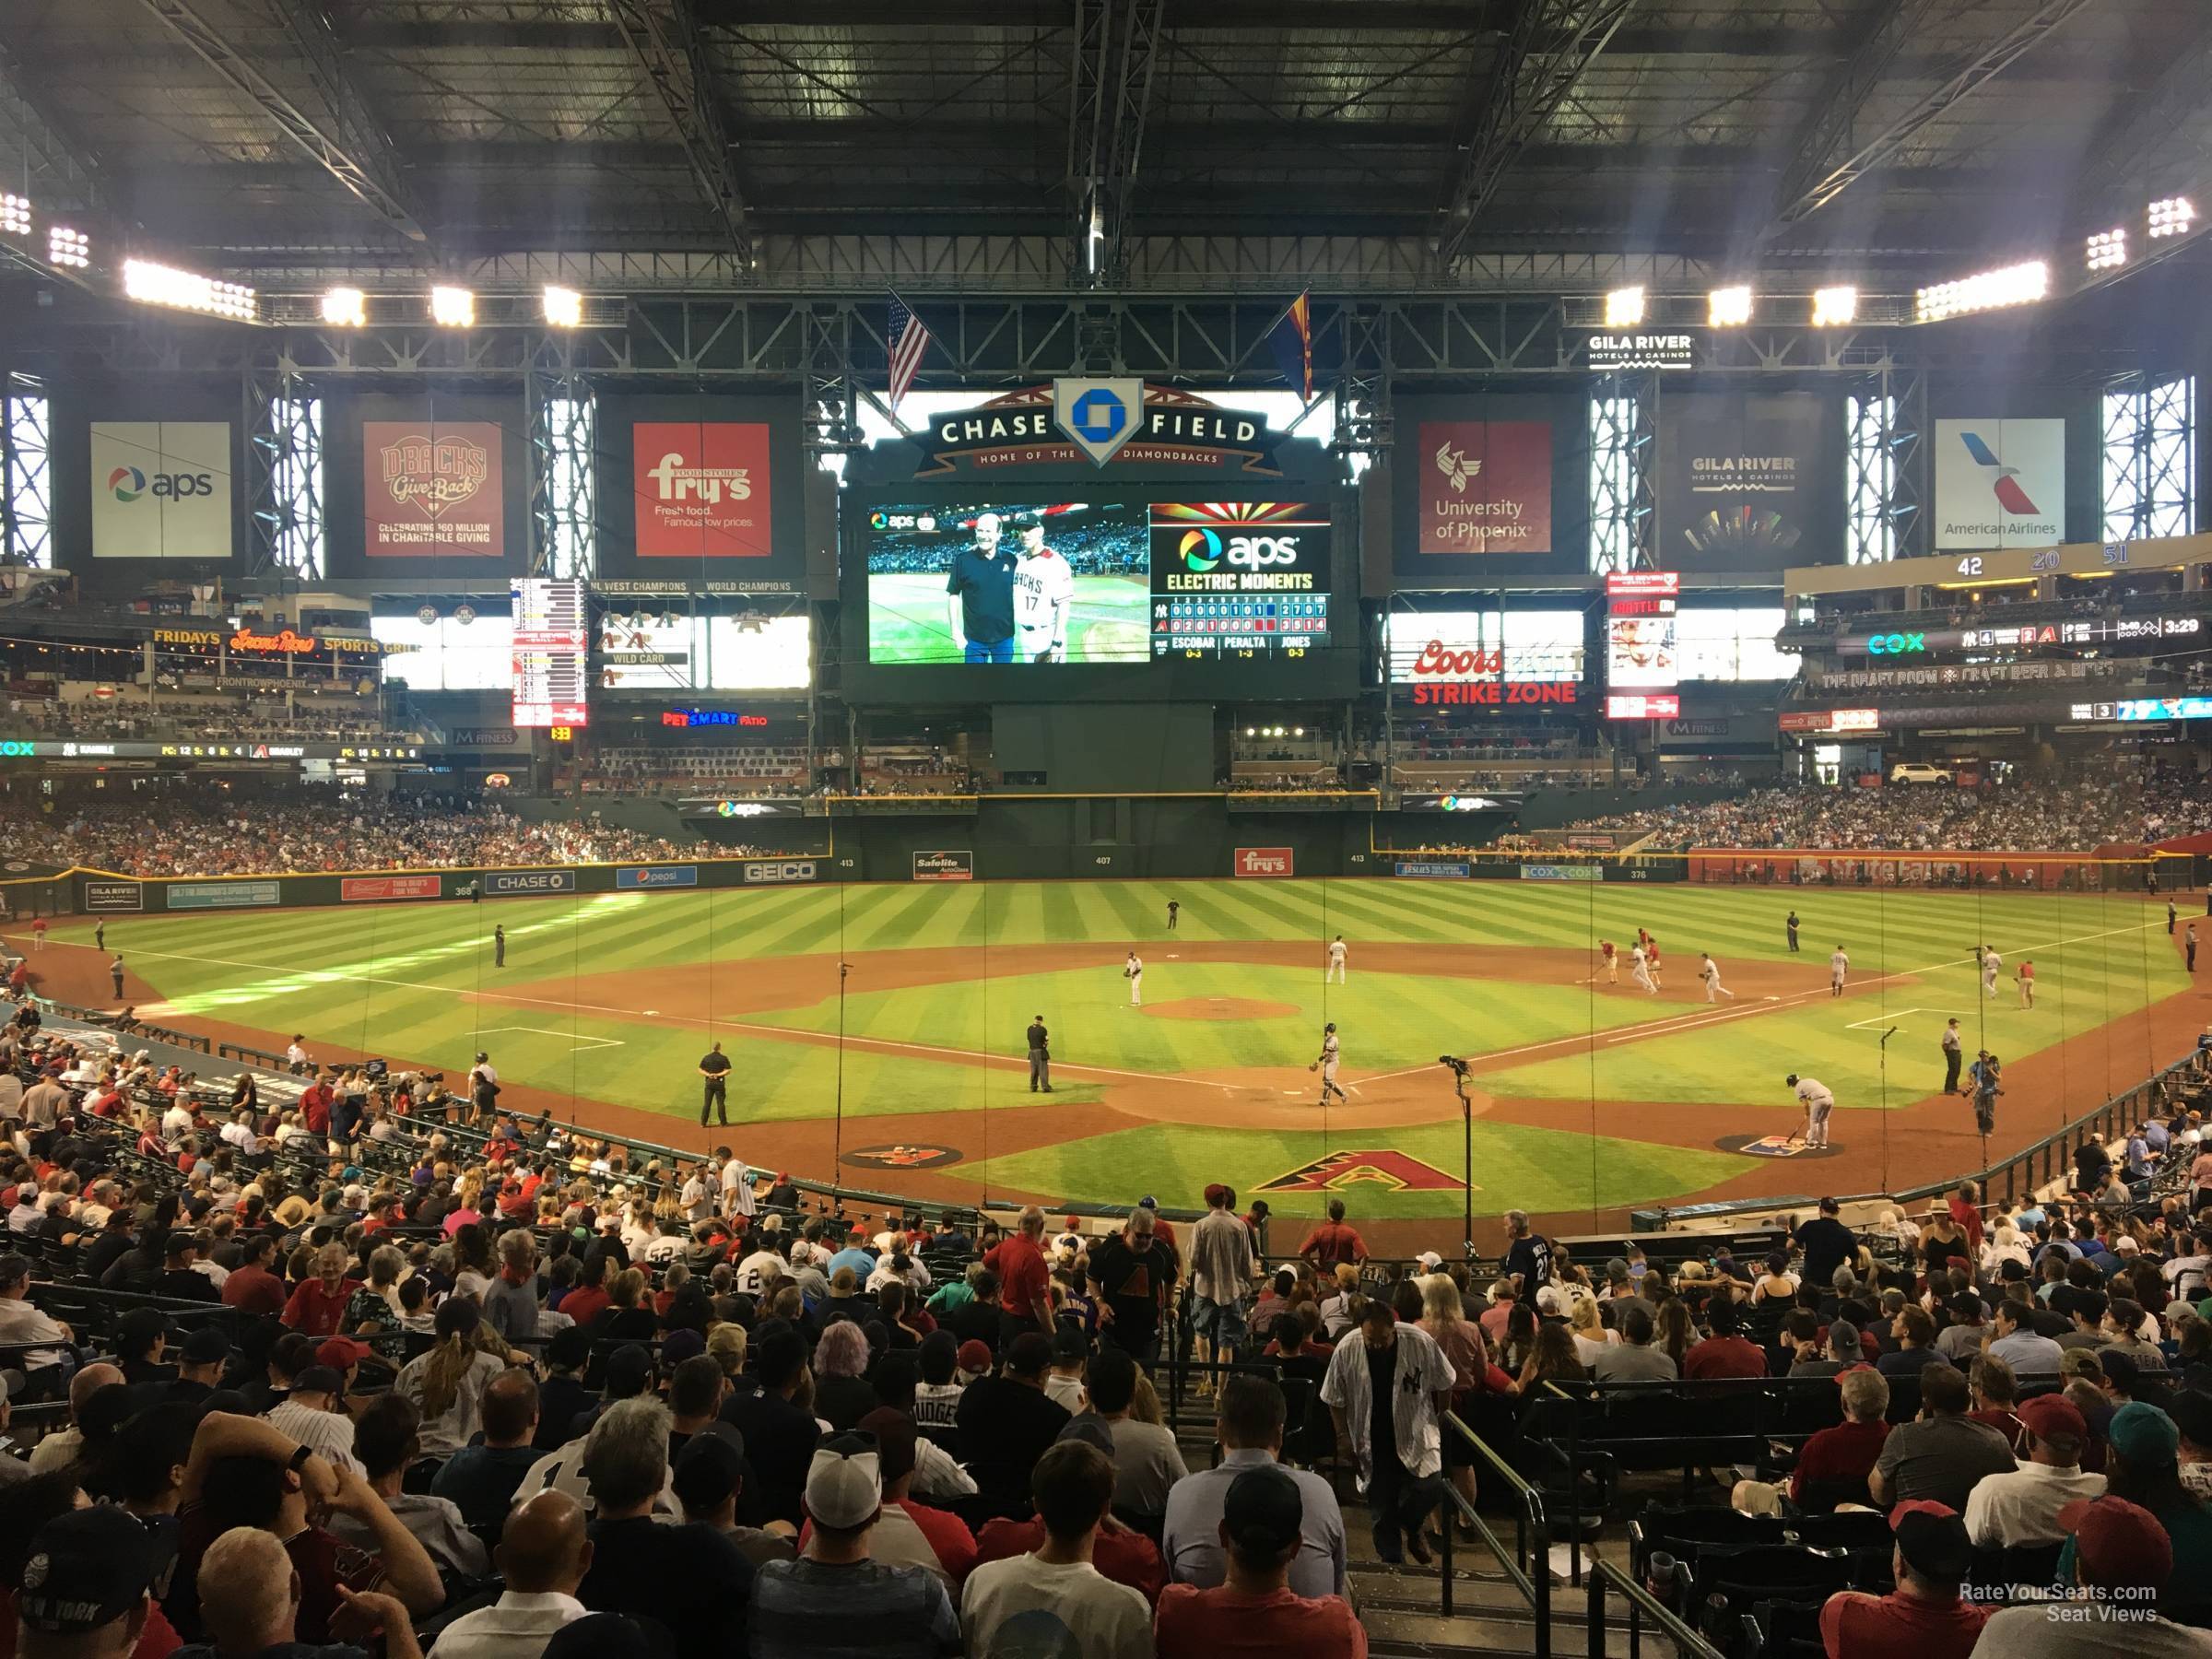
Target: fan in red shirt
x,y
1923,1618
318,1305
1256,1612
1024,1278
1832,1465
1333,1244
315,1107
1966,1209
1725,1353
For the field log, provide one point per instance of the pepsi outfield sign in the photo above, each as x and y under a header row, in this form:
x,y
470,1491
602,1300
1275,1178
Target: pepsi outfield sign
x,y
1103,420
656,876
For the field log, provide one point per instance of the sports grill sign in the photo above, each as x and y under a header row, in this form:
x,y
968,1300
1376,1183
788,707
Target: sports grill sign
x,y
1485,487
1102,421
1262,862
433,489
702,490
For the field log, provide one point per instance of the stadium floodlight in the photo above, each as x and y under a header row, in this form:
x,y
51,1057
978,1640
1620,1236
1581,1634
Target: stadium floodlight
x,y
14,216
67,250
1624,308
1988,290
2106,250
1728,307
344,307
1835,307
453,307
2172,215
187,290
564,307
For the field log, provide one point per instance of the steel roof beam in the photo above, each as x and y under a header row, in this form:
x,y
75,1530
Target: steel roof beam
x,y
1832,153
665,36
1116,48
2174,103
56,172
1552,42
347,141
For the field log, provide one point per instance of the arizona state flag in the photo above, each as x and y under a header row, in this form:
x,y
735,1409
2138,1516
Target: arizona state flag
x,y
1292,343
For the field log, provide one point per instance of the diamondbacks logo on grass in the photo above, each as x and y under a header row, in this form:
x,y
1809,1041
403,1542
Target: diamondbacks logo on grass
x,y
1770,1146
907,1155
1338,1171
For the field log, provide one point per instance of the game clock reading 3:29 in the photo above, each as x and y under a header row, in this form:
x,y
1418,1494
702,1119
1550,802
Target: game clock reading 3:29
x,y
1035,583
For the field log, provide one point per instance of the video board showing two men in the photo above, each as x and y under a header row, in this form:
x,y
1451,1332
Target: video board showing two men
x,y
1038,584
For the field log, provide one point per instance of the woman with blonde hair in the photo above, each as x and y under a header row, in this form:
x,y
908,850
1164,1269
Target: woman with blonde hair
x,y
626,1318
1587,1327
447,1384
726,1347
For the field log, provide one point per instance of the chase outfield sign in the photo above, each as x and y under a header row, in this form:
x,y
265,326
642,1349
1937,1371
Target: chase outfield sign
x,y
1101,422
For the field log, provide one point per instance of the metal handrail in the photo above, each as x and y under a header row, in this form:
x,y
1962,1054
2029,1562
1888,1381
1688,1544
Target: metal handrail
x,y
1529,1564
1643,1606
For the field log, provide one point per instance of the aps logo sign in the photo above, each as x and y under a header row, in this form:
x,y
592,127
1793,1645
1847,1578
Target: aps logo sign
x,y
1204,550
161,490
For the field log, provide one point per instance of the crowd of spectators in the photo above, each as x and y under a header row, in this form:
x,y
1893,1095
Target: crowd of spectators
x,y
337,717
206,833
2017,817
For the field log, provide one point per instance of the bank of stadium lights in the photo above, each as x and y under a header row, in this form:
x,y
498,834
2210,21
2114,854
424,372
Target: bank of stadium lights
x,y
453,307
14,216
344,307
2106,250
564,307
1988,290
2170,216
1624,308
186,290
1835,307
1728,307
67,250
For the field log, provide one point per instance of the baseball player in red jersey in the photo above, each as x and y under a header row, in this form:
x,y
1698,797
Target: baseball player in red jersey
x,y
1651,955
1045,594
1612,961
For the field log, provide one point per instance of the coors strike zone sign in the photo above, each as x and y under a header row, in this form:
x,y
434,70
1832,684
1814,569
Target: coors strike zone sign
x,y
432,489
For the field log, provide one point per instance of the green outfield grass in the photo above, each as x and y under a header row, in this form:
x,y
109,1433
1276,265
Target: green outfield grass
x,y
907,622
397,979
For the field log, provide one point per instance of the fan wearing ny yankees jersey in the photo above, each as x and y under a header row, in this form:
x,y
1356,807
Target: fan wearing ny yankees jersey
x,y
1044,593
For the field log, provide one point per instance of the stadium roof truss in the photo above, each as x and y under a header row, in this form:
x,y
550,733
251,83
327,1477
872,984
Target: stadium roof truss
x,y
1379,147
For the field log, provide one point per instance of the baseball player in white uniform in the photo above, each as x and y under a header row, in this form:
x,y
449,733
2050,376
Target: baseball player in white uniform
x,y
1335,972
1639,970
1818,1103
1838,967
1326,1063
1990,962
1710,971
1044,594
1134,971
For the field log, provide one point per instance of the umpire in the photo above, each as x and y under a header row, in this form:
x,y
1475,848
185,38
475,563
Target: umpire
x,y
715,1069
1040,1056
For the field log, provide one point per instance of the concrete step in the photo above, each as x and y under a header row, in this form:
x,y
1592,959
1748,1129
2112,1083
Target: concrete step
x,y
1396,1635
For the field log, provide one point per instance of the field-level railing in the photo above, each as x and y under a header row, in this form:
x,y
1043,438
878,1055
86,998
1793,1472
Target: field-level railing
x,y
1526,1563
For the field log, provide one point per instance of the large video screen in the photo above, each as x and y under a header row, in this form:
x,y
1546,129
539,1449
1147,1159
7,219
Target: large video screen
x,y
1038,584
444,654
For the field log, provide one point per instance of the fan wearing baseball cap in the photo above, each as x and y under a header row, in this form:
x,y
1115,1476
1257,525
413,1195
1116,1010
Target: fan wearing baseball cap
x,y
834,1598
2143,1447
2021,1508
2120,1561
88,1585
1255,1611
1924,1617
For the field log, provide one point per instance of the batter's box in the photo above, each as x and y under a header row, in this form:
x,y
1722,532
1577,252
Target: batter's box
x,y
1882,1022
578,1038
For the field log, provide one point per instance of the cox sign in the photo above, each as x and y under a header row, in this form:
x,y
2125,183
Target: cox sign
x,y
1897,644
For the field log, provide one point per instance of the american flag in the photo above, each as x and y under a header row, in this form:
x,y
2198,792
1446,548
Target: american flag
x,y
909,341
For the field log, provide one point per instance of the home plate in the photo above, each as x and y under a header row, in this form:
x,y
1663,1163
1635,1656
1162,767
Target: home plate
x,y
1294,1091
650,1011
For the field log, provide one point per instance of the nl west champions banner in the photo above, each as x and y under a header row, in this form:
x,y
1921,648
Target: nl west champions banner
x,y
433,489
2000,483
702,490
1747,480
1485,487
161,490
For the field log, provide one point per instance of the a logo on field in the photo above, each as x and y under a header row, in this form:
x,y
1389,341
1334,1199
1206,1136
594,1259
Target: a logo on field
x,y
1099,415
1770,1146
1391,1169
906,1155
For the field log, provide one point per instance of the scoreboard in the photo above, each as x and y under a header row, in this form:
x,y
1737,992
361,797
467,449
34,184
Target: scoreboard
x,y
552,640
1233,580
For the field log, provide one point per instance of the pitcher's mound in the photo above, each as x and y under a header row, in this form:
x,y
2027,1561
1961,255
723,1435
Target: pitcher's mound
x,y
1219,1007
